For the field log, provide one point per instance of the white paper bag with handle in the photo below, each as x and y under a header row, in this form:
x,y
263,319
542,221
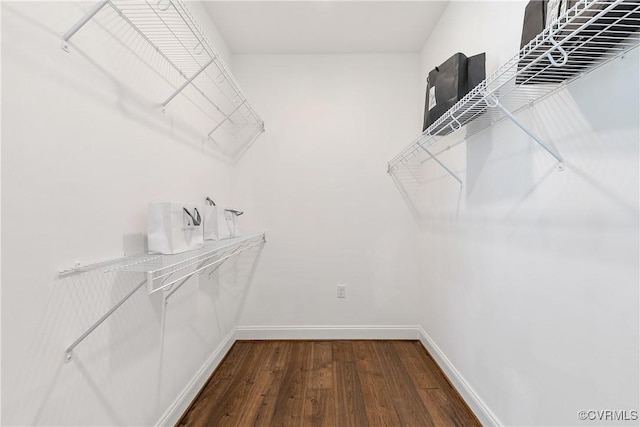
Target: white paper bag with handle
x,y
228,223
210,224
174,227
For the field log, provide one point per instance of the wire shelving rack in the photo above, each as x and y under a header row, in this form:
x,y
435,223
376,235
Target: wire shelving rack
x,y
167,272
584,37
188,63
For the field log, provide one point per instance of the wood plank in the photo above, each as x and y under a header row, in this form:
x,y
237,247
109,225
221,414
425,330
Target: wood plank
x,y
342,351
420,352
328,383
319,408
215,386
233,360
277,355
406,399
406,349
321,373
423,376
424,371
446,409
200,408
350,408
229,407
261,399
290,400
380,409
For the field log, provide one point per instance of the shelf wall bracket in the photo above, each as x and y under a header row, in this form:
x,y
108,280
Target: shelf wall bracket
x,y
495,103
86,18
187,83
170,290
68,354
441,164
199,269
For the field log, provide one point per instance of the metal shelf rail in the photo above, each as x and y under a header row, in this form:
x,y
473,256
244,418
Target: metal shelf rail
x,y
586,36
171,30
167,272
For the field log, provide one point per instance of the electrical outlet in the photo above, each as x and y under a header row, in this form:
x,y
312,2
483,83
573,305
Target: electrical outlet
x,y
342,291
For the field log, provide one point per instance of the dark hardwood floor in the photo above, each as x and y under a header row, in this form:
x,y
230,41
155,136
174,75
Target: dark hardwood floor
x,y
328,383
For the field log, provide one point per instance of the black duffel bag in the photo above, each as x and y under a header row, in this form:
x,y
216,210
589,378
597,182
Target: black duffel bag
x,y
447,84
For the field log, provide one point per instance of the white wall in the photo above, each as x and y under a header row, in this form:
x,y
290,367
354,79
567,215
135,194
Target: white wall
x,y
84,148
531,276
317,184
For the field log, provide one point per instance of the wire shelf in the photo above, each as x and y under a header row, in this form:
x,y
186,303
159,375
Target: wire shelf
x,y
163,271
187,63
586,36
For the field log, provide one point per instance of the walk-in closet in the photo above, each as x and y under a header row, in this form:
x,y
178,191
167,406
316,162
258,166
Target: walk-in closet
x,y
320,213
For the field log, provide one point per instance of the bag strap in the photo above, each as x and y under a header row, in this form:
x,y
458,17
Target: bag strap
x,y
235,212
197,220
211,202
198,217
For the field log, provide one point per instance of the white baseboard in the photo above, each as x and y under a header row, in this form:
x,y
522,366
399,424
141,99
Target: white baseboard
x,y
180,405
479,408
327,332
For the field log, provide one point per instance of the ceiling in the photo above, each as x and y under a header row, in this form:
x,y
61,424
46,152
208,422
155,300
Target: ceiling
x,y
316,27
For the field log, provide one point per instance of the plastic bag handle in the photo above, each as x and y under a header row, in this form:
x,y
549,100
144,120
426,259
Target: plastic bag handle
x,y
197,220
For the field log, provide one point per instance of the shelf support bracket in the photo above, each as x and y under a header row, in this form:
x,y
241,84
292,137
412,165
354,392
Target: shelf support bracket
x,y
86,18
68,354
226,117
441,164
203,267
170,290
185,84
496,104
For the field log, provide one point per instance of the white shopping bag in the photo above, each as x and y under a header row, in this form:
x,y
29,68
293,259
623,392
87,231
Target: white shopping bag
x,y
228,223
210,220
174,227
